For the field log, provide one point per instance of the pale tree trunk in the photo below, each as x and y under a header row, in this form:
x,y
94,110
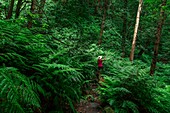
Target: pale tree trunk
x,y
124,30
33,4
103,22
158,36
17,12
136,30
10,9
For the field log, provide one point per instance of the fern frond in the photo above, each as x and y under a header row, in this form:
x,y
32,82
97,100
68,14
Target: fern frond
x,y
131,105
16,90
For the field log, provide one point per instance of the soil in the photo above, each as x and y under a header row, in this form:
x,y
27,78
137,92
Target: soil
x,y
92,103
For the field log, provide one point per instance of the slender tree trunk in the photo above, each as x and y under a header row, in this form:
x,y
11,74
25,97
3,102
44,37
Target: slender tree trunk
x,y
158,36
10,9
103,22
33,4
100,3
17,12
96,6
124,28
136,30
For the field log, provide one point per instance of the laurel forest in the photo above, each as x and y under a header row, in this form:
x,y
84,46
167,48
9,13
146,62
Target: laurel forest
x,y
49,52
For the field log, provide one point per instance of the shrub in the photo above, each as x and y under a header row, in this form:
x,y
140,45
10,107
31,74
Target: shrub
x,y
129,88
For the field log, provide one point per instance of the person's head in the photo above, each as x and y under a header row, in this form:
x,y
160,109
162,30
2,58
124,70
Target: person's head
x,y
99,57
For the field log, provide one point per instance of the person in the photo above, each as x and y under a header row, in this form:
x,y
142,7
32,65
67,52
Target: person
x,y
100,66
100,63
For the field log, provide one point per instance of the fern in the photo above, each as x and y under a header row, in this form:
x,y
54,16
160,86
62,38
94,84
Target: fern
x,y
61,80
128,88
16,89
130,105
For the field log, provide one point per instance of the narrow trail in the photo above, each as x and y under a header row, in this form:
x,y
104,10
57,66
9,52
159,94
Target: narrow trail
x,y
92,104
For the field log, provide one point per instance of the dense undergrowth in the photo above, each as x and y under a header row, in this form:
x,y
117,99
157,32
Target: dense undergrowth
x,y
39,73
128,88
43,69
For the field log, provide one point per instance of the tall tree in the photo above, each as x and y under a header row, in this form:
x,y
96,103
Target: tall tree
x,y
33,4
124,34
98,4
17,12
103,22
158,37
136,30
10,9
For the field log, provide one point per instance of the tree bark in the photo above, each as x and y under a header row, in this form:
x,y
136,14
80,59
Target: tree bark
x,y
33,4
17,12
10,9
136,30
103,22
96,6
124,28
158,36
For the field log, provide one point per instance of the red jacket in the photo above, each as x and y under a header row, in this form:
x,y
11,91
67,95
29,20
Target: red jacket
x,y
100,64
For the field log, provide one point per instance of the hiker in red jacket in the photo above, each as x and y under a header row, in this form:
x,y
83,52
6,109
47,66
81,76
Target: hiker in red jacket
x,y
100,66
100,63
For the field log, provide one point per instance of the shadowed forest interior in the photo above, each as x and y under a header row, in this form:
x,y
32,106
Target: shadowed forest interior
x,y
50,51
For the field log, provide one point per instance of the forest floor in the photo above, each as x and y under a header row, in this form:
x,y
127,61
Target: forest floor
x,y
92,103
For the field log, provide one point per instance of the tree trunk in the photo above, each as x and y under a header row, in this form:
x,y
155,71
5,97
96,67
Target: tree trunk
x,y
158,36
100,4
97,2
10,10
136,30
17,12
124,28
103,22
33,4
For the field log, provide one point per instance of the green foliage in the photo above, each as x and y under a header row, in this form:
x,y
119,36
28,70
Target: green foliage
x,y
128,88
43,68
18,93
163,71
45,63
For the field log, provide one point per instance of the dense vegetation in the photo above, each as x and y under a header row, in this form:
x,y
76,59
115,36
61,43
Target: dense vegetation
x,y
49,50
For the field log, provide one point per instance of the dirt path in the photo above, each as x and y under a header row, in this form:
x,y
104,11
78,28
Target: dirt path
x,y
92,104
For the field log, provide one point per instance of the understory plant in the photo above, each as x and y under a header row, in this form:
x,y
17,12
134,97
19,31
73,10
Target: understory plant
x,y
17,92
38,73
129,89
